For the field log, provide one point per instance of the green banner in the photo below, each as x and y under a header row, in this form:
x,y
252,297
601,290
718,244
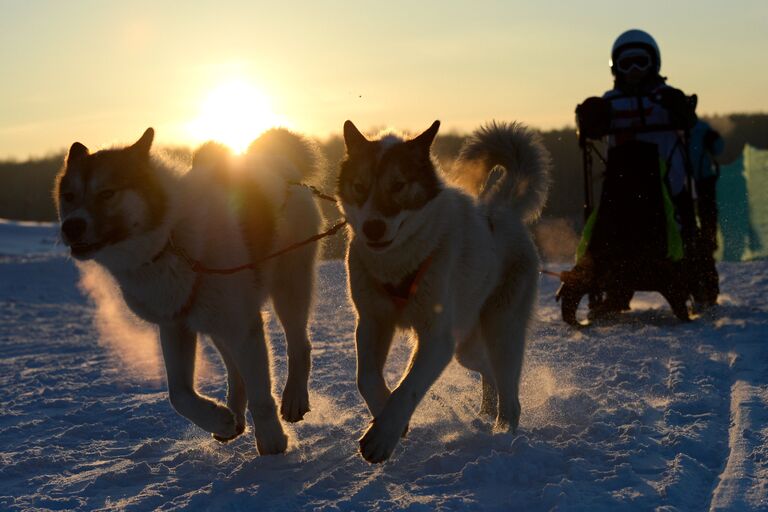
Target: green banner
x,y
742,199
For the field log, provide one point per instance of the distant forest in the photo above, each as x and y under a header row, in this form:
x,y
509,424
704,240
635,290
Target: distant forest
x,y
25,187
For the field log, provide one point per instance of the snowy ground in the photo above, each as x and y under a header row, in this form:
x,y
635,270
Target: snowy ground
x,y
641,414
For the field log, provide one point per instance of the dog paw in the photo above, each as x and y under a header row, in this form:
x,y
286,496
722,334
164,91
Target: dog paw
x,y
295,403
488,410
221,423
239,429
270,438
509,415
504,425
378,442
272,446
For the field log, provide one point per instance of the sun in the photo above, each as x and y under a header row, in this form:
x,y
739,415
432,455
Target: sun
x,y
234,113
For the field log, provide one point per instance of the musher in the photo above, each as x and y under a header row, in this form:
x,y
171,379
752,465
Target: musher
x,y
637,236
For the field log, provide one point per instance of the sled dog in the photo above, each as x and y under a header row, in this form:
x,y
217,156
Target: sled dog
x,y
454,263
156,229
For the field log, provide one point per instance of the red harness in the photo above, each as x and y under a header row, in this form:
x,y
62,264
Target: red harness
x,y
402,292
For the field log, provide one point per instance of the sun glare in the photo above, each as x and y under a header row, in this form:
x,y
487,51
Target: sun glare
x,y
234,114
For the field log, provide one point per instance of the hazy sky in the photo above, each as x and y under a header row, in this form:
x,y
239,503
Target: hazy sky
x,y
100,72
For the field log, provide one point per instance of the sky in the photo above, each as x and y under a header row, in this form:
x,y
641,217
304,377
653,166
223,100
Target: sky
x,y
100,72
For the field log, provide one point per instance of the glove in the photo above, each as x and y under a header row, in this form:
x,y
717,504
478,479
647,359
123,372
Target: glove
x,y
593,117
710,139
681,108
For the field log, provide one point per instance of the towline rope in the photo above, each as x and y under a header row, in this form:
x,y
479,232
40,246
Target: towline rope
x,y
550,273
200,268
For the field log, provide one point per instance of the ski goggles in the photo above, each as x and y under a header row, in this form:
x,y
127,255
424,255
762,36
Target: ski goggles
x,y
638,60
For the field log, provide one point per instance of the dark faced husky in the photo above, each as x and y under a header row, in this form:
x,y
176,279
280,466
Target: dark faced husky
x,y
456,264
156,230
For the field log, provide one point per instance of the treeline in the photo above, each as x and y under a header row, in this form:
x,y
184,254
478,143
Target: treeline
x,y
25,187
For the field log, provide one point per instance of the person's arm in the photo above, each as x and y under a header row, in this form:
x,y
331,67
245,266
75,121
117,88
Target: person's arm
x,y
681,108
593,117
713,142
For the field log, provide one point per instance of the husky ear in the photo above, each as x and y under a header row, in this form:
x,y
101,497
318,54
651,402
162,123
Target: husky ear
x,y
76,152
143,145
354,140
425,139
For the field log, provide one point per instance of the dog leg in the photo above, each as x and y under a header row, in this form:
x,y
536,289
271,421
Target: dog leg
x,y
373,339
471,353
236,397
250,354
292,288
295,399
433,353
291,298
490,402
505,339
179,345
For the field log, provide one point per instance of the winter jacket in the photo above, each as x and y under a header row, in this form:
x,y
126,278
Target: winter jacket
x,y
659,117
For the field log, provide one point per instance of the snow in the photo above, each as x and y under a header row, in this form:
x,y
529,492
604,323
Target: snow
x,y
642,413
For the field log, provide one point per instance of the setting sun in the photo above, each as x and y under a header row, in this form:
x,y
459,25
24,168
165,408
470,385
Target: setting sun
x,y
234,114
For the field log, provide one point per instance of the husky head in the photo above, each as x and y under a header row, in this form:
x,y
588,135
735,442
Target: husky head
x,y
383,184
108,197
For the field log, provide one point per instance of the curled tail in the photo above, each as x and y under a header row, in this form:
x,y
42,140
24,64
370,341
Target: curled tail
x,y
215,158
300,156
506,164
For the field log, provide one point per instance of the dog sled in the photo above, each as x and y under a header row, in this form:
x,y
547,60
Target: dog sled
x,y
635,239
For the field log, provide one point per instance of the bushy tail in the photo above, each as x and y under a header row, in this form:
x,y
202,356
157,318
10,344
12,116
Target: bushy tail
x,y
302,155
506,164
215,158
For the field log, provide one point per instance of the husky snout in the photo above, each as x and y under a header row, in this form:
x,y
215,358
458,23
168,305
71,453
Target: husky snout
x,y
374,229
379,233
73,229
74,233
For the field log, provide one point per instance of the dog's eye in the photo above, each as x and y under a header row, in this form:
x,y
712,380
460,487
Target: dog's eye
x,y
106,194
68,197
398,186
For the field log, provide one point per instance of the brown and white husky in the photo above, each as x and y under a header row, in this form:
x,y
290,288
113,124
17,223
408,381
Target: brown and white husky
x,y
456,265
148,224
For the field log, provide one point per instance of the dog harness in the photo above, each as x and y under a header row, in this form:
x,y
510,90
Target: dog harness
x,y
402,292
171,247
185,309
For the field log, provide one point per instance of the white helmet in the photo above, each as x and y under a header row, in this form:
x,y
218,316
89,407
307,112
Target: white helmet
x,y
638,40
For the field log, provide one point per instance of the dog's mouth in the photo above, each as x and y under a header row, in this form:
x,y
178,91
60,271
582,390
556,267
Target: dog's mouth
x,y
379,245
83,251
